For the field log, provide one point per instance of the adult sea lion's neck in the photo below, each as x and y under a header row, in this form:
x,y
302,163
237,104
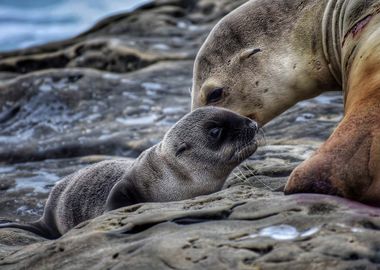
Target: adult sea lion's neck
x,y
344,22
331,36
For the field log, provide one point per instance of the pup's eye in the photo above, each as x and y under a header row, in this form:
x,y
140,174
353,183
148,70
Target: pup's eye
x,y
215,133
215,95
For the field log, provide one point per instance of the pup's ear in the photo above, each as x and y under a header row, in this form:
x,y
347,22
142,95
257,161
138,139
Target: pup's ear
x,y
182,148
123,193
248,53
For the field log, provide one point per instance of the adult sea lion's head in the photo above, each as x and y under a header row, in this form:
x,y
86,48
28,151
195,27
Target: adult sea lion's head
x,y
258,61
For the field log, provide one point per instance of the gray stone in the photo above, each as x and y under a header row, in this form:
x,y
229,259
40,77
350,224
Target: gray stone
x,y
238,228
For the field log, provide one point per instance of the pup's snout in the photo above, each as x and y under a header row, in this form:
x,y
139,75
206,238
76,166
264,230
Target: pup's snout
x,y
252,124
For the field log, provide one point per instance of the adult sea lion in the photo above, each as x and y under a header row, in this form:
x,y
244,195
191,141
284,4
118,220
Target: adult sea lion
x,y
194,158
267,55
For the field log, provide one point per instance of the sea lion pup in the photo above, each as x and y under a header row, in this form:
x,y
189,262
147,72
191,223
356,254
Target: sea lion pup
x,y
267,55
194,158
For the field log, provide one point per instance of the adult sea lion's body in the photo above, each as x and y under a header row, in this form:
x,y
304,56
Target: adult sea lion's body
x,y
194,158
267,55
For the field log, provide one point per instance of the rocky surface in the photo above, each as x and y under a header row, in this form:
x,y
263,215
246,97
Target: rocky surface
x,y
239,228
114,91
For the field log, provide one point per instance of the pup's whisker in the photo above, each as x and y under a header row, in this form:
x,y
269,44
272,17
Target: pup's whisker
x,y
259,180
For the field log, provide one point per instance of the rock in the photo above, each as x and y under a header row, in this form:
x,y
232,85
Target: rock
x,y
309,122
66,113
238,228
128,42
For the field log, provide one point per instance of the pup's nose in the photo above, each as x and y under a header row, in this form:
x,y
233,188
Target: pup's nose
x,y
252,124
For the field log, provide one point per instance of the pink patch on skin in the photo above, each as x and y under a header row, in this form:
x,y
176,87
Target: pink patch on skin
x,y
360,25
357,28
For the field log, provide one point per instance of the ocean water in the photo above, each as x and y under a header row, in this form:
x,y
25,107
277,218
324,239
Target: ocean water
x,y
25,23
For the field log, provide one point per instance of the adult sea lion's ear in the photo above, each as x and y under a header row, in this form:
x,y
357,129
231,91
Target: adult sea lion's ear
x,y
182,148
248,53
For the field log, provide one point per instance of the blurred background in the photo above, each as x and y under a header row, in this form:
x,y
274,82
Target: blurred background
x,y
25,23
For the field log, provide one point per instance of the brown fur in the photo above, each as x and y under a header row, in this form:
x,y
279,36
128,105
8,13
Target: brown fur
x,y
302,55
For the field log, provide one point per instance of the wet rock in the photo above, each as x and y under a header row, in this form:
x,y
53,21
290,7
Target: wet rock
x,y
238,228
128,42
65,113
309,122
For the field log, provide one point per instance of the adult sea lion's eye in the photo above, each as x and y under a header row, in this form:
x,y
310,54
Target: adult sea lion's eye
x,y
215,132
215,95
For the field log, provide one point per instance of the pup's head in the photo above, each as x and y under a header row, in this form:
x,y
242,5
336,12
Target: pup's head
x,y
212,139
